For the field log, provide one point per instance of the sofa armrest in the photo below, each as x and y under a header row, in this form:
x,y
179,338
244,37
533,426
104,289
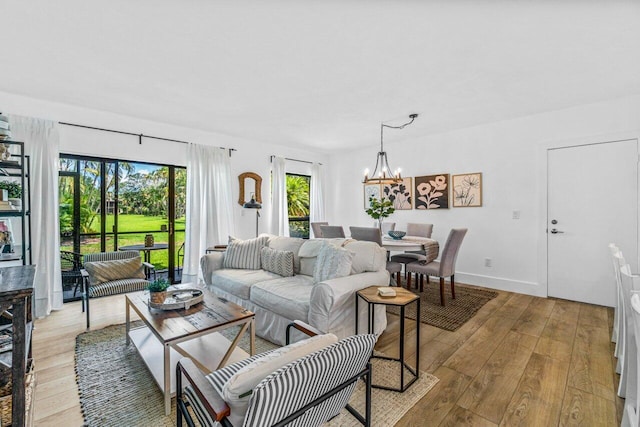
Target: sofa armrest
x,y
333,301
210,263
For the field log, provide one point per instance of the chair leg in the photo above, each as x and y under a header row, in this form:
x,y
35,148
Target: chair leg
x,y
442,303
409,282
422,283
399,279
453,290
427,279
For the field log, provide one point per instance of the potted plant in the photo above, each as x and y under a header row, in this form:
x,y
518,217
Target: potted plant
x,y
379,210
158,290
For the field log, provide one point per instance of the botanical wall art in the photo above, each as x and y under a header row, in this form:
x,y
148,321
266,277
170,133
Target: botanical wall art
x,y
399,194
432,191
371,190
467,190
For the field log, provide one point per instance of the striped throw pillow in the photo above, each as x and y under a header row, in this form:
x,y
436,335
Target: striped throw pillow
x,y
107,271
279,262
244,254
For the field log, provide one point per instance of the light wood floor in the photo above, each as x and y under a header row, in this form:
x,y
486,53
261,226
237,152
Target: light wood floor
x,y
520,361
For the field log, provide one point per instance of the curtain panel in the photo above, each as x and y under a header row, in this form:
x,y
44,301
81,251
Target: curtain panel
x,y
279,210
42,143
209,204
316,211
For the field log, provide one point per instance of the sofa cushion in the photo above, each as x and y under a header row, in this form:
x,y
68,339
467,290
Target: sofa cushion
x,y
106,271
237,390
332,262
244,254
279,262
367,256
292,244
238,282
287,296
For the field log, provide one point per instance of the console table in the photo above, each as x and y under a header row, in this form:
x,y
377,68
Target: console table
x,y
16,289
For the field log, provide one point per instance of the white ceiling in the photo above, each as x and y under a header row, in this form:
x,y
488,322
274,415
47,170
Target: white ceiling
x,y
321,74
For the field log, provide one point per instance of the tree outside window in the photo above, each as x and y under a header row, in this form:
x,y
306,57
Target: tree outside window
x,y
298,200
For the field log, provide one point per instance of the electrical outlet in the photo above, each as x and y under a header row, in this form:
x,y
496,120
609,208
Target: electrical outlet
x,y
516,214
487,262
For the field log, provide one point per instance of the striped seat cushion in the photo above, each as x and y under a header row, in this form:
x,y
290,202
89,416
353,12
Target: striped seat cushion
x,y
107,271
117,287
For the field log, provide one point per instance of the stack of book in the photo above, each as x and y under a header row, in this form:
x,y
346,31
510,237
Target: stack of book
x,y
6,206
5,132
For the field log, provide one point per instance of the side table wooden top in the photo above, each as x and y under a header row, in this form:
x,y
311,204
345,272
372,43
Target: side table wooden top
x,y
403,296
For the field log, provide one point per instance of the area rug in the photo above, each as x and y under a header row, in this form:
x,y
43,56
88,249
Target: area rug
x,y
457,311
116,389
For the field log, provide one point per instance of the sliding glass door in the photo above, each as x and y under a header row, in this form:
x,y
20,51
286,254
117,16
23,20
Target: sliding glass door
x,y
108,205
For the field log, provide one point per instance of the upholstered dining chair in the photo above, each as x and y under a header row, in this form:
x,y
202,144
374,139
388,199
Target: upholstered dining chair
x,y
286,386
372,234
331,231
317,232
446,267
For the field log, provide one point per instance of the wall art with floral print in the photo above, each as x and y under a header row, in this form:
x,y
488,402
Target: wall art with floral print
x,y
467,190
399,194
371,190
432,191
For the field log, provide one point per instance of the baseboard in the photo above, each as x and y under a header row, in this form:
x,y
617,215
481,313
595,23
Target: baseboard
x,y
502,284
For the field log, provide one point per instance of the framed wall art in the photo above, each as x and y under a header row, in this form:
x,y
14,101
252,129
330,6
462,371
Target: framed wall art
x,y
432,191
467,190
371,190
399,194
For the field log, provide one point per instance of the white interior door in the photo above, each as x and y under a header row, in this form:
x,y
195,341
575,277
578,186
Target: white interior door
x,y
592,201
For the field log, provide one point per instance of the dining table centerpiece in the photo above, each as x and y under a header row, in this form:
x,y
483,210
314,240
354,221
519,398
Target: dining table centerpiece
x,y
379,209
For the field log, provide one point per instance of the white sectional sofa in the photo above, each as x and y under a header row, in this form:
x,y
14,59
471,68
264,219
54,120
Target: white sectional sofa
x,y
327,304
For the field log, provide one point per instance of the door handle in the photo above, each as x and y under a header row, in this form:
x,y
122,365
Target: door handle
x,y
554,231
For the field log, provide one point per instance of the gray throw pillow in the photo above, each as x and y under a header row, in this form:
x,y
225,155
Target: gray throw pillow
x,y
244,254
279,262
332,262
107,271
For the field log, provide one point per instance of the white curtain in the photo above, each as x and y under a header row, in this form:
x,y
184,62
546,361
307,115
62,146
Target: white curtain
x,y
317,200
42,143
209,204
279,211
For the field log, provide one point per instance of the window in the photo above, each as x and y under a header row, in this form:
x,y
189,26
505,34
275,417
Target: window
x,y
298,198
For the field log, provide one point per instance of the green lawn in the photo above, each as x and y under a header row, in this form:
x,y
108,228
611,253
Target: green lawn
x,y
142,224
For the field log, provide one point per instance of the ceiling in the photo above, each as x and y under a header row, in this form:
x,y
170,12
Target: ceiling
x,y
321,74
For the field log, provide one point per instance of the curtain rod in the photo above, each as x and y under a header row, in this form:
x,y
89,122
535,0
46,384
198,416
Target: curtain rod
x,y
139,135
295,160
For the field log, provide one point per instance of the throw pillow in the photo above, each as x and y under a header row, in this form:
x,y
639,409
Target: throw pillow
x,y
331,263
237,390
279,262
106,271
244,254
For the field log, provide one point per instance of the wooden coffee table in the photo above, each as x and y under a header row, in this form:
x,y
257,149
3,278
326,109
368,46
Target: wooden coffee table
x,y
186,333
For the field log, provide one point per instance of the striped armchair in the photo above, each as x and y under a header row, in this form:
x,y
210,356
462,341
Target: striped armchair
x,y
110,273
301,393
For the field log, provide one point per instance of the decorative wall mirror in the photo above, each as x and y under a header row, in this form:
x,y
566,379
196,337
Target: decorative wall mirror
x,y
257,182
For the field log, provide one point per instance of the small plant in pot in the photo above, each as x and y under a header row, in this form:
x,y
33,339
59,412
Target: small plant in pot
x,y
158,290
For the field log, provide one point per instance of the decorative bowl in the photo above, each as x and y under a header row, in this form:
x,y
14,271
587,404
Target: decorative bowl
x,y
397,234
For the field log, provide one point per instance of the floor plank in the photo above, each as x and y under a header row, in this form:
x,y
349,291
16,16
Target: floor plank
x,y
581,408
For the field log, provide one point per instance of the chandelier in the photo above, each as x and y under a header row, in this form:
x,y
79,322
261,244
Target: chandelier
x,y
382,173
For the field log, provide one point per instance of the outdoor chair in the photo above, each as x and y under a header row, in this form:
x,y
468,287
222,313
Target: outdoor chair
x,y
446,267
110,273
70,268
286,386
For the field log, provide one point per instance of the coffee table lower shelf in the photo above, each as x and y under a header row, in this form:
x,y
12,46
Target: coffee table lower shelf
x,y
207,350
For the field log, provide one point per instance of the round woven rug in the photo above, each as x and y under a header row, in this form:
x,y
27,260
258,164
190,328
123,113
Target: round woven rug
x,y
453,315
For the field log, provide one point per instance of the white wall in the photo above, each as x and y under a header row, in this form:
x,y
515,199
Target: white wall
x,y
251,156
512,158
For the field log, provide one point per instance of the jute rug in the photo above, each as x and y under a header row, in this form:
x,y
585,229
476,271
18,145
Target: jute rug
x,y
116,389
457,311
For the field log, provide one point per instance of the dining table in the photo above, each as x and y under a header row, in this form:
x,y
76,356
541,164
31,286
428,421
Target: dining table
x,y
431,247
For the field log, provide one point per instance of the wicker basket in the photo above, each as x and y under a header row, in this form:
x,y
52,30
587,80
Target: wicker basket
x,y
5,395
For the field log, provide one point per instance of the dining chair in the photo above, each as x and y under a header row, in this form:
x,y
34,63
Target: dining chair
x,y
372,234
446,267
316,227
417,230
631,413
331,231
386,227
